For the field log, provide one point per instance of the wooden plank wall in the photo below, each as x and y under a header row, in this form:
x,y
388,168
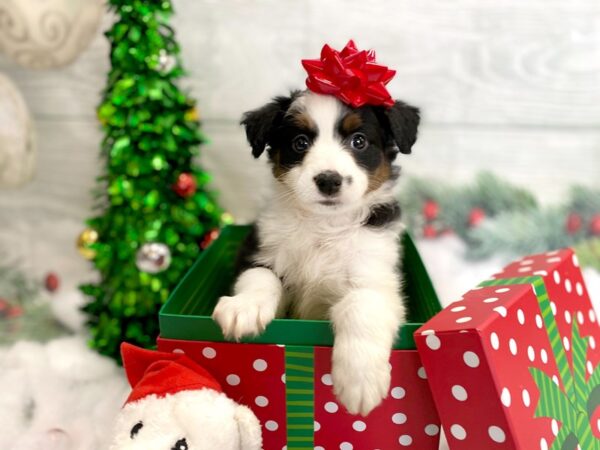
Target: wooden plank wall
x,y
511,86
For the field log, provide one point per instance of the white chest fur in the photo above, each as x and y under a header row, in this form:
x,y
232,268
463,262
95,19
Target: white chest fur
x,y
320,259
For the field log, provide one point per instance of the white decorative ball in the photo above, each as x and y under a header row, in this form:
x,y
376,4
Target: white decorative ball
x,y
17,149
44,34
153,257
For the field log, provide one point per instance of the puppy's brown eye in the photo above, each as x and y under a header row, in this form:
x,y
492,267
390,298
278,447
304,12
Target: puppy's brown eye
x,y
359,141
300,143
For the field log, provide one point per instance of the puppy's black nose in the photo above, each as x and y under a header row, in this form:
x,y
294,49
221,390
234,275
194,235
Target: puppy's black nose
x,y
329,182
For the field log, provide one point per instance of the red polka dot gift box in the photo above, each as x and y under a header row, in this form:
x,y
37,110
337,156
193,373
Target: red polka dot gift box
x,y
514,363
284,375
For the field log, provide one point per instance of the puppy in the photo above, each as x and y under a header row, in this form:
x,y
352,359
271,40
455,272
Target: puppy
x,y
326,246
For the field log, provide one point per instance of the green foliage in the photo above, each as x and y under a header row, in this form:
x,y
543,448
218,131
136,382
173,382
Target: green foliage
x,y
489,193
24,314
151,135
515,224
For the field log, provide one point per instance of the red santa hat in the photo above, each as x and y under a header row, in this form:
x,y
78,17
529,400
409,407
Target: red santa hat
x,y
161,373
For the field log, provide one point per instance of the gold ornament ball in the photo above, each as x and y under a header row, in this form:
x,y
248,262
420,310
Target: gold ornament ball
x,y
192,115
86,238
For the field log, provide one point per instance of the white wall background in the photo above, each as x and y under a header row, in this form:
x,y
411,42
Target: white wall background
x,y
512,86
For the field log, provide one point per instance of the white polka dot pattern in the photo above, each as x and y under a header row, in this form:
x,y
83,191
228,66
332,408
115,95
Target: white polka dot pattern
x,y
405,440
232,379
271,425
496,434
505,397
432,430
261,401
458,432
526,398
501,310
331,407
209,352
359,426
398,392
399,418
554,427
471,359
260,365
459,393
433,342
494,341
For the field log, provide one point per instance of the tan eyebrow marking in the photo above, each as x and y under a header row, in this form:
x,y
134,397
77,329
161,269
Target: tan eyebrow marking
x,y
350,123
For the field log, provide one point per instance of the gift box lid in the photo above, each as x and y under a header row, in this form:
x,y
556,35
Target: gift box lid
x,y
186,314
513,364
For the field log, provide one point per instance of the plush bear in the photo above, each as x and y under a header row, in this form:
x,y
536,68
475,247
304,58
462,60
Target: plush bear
x,y
175,404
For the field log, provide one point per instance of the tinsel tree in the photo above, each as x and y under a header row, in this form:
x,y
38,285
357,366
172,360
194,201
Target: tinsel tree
x,y
154,211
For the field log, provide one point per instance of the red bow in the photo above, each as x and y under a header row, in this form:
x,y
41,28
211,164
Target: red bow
x,y
351,75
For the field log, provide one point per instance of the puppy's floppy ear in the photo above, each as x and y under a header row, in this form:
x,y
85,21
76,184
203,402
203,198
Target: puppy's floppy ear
x,y
404,121
260,122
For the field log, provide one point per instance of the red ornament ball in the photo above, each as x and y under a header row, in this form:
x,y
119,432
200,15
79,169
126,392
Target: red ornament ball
x,y
476,216
209,237
595,225
431,210
186,185
573,224
429,232
52,282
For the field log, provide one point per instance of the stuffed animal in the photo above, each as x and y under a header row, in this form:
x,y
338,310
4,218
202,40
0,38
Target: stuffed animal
x,y
175,404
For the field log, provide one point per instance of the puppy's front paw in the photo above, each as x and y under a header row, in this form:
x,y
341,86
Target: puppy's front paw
x,y
244,315
361,376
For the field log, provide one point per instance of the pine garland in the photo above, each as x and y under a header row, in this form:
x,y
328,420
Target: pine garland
x,y
495,217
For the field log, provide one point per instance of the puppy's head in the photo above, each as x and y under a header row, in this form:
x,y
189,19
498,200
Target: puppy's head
x,y
328,155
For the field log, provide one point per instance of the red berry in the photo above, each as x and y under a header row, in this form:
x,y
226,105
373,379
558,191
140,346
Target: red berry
x,y
185,186
52,282
15,311
573,224
429,231
209,237
431,209
4,307
476,216
595,225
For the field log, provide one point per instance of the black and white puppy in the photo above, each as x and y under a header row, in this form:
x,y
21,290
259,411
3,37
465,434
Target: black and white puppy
x,y
326,246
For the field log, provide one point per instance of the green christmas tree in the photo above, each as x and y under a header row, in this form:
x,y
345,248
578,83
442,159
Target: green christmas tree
x,y
153,208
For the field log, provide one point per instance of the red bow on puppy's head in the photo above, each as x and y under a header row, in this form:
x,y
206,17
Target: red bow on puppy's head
x,y
351,75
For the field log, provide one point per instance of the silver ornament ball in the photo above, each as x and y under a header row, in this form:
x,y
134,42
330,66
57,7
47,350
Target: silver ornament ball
x,y
153,257
166,62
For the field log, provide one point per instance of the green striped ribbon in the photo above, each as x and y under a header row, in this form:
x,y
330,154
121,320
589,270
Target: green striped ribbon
x,y
574,407
300,397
